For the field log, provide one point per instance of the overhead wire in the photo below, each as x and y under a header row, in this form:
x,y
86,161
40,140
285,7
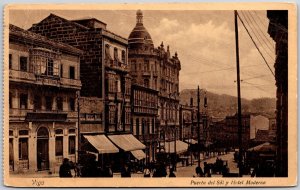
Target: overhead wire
x,y
261,33
247,20
255,44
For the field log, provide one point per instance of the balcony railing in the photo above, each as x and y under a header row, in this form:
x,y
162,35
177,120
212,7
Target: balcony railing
x,y
117,65
32,114
90,117
29,77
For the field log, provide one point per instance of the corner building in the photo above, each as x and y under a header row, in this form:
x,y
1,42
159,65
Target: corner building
x,y
104,73
155,69
43,81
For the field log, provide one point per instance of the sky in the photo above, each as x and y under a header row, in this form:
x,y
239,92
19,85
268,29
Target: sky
x,y
204,41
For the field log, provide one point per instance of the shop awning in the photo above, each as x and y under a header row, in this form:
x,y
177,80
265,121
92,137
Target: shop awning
x,y
191,141
138,154
127,142
102,144
180,147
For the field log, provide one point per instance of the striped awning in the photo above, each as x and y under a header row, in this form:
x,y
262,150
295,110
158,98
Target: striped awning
x,y
138,154
101,143
180,147
127,142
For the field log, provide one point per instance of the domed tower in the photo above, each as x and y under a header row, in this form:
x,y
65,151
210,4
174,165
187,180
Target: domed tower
x,y
139,38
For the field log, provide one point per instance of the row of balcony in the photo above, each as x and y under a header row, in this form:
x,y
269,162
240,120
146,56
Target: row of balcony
x,y
145,73
29,77
31,114
119,66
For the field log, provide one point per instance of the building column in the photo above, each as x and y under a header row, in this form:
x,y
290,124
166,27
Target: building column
x,y
32,153
65,144
16,150
52,158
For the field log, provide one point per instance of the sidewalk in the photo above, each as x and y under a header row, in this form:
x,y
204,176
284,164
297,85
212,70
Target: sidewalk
x,y
182,171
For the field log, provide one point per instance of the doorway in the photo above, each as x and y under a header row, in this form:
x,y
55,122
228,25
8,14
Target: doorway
x,y
42,149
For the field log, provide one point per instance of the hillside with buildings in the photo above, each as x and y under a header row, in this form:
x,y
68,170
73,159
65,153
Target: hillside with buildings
x,y
219,106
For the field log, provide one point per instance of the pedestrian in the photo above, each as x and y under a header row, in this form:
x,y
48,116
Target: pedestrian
x,y
125,171
107,172
206,170
199,172
65,169
171,174
147,172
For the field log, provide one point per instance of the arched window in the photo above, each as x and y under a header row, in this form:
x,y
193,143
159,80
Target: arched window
x,y
43,133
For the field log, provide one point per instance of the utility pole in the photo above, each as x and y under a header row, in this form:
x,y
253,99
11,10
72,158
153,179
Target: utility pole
x,y
192,123
198,124
239,95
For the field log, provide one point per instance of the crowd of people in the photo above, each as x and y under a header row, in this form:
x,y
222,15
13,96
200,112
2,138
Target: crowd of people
x,y
91,169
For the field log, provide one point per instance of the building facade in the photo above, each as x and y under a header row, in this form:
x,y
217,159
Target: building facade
x,y
103,66
43,81
156,69
224,133
278,30
144,118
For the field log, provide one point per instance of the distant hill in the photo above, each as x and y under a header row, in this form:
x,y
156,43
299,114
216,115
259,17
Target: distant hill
x,y
220,106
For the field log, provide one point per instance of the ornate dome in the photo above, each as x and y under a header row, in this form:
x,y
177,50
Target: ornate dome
x,y
139,36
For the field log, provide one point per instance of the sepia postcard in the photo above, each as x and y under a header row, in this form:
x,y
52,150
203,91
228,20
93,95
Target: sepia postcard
x,y
150,95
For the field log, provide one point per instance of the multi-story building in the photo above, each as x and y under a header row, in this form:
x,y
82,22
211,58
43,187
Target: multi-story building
x,y
156,69
224,134
144,115
43,81
278,30
104,72
104,69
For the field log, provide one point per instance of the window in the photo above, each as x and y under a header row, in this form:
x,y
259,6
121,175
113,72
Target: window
x,y
147,65
10,100
146,82
112,113
59,146
153,127
62,70
71,144
23,101
23,148
72,131
59,103
116,56
72,72
72,104
23,63
48,103
10,61
123,56
23,132
49,70
37,103
137,127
